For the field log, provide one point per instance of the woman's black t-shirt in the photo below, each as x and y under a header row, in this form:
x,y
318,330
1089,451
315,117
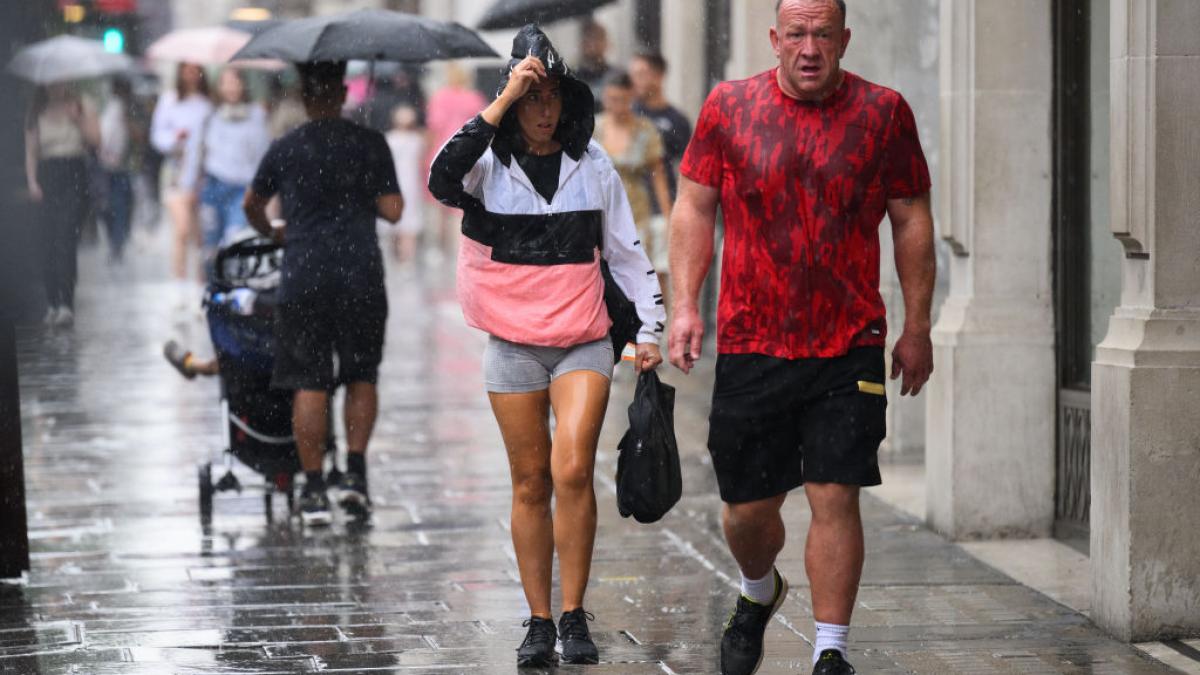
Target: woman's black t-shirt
x,y
543,172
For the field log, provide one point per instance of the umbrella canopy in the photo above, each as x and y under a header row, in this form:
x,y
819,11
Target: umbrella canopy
x,y
65,58
207,46
253,27
368,34
517,13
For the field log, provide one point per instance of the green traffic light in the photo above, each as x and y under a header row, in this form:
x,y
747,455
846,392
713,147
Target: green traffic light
x,y
114,40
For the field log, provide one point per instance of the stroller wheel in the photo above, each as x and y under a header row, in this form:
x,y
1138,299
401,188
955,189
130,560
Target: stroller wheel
x,y
204,474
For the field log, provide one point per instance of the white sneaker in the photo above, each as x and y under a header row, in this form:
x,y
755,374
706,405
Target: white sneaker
x,y
51,316
64,317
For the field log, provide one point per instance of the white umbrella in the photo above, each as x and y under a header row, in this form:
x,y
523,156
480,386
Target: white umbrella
x,y
65,58
208,46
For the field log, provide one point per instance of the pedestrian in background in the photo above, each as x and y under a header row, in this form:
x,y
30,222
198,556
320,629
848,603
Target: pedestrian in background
x,y
449,108
179,118
60,130
542,204
116,161
804,159
406,140
648,72
334,178
231,143
594,68
285,110
635,147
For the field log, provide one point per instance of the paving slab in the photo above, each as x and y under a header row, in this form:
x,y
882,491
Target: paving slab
x,y
127,579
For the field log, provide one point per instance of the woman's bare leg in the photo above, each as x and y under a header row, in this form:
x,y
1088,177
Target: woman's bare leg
x,y
181,210
525,425
579,400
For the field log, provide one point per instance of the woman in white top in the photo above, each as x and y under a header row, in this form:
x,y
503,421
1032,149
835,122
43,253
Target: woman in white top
x,y
178,117
407,143
228,149
59,128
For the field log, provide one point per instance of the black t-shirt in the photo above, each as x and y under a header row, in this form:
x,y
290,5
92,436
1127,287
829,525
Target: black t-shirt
x,y
329,174
676,131
543,171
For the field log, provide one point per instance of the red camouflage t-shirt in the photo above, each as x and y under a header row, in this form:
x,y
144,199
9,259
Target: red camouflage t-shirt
x,y
804,187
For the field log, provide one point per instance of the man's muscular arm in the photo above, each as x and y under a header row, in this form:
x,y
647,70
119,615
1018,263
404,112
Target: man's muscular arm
x,y
693,221
916,264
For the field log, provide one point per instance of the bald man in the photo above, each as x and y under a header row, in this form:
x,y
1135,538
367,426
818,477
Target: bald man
x,y
804,160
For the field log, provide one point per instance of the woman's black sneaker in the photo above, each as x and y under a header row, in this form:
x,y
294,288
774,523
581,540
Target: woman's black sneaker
x,y
832,663
742,641
537,650
576,640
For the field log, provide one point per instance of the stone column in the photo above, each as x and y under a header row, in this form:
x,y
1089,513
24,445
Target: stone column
x,y
990,415
1146,377
683,27
750,50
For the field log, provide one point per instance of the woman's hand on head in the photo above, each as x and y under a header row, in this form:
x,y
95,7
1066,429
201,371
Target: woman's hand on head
x,y
648,357
523,76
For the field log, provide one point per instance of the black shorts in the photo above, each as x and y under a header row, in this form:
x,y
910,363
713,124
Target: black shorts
x,y
777,423
308,335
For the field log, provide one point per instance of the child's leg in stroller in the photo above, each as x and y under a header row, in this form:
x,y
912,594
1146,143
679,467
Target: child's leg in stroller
x,y
186,362
310,424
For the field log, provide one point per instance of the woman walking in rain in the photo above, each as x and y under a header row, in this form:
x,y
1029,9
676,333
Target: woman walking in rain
x,y
232,141
178,119
542,204
59,130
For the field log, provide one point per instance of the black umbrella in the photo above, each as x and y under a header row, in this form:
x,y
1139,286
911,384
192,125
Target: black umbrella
x,y
369,35
517,13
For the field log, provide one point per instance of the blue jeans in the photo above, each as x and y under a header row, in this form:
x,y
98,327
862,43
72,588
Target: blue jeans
x,y
119,211
220,210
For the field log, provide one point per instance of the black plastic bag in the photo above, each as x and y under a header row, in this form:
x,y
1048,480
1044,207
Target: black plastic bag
x,y
649,482
625,321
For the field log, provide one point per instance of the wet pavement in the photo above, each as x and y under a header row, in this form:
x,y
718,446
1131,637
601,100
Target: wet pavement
x,y
126,578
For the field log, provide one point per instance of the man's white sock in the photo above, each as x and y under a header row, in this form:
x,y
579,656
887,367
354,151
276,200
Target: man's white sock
x,y
830,636
761,590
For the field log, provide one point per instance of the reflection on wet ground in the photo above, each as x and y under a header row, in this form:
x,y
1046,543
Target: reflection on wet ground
x,y
127,580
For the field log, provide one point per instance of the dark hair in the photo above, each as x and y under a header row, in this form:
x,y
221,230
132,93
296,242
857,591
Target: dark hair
x,y
39,102
201,89
620,79
840,3
654,60
323,80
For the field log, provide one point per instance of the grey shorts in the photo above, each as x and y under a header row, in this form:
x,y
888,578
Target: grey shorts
x,y
511,368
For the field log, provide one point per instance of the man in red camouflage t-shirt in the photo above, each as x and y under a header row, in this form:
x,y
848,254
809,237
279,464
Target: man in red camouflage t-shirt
x,y
804,161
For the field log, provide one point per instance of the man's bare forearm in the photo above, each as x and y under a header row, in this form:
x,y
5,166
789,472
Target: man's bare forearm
x,y
916,265
691,250
255,209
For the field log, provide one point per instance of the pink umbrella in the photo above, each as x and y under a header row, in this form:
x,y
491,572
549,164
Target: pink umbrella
x,y
213,45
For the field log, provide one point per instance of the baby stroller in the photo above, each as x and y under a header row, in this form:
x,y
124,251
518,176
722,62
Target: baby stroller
x,y
256,419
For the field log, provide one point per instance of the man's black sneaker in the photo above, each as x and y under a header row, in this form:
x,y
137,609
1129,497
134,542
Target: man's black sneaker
x,y
742,642
353,496
537,649
577,645
314,508
832,663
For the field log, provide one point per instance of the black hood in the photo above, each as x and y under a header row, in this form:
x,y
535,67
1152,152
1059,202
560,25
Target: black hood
x,y
578,114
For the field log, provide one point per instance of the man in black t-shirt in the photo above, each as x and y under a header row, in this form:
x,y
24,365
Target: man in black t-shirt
x,y
333,177
647,70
